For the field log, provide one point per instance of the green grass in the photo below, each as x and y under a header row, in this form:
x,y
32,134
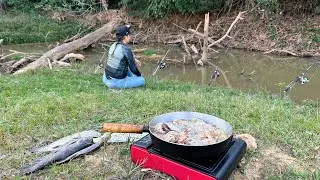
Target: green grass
x,y
46,105
149,52
18,28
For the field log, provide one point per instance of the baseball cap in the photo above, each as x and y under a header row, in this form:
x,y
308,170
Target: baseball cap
x,y
123,30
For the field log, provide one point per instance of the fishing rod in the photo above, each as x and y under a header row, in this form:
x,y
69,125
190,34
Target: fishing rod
x,y
161,64
302,79
215,74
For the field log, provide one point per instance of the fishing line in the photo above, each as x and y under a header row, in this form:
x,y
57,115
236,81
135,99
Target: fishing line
x,y
315,72
302,79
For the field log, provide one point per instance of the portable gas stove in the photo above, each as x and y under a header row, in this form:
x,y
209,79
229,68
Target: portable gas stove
x,y
144,154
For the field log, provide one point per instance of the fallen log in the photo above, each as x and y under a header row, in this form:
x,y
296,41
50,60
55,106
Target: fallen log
x,y
66,48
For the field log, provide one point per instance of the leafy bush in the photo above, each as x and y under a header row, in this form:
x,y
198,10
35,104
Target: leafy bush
x,y
18,28
67,5
23,5
160,8
70,5
271,5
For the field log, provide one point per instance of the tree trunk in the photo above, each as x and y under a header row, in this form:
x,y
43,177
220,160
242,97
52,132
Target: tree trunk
x,y
66,48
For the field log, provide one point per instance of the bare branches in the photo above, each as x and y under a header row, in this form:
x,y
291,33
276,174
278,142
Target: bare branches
x,y
228,31
77,36
185,46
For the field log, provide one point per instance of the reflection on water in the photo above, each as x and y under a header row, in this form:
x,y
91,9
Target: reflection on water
x,y
260,71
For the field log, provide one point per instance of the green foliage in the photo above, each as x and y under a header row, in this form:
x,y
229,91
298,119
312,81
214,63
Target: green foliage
x,y
290,173
271,5
70,5
23,5
32,28
149,52
315,38
161,8
272,32
65,5
314,30
16,57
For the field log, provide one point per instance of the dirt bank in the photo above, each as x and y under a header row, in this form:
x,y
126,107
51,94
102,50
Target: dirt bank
x,y
258,31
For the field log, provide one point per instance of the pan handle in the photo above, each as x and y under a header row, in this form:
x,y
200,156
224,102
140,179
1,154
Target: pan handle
x,y
124,128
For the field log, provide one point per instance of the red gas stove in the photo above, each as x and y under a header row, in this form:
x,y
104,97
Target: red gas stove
x,y
144,154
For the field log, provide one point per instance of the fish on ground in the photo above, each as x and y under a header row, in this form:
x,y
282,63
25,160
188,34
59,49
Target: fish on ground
x,y
71,147
60,142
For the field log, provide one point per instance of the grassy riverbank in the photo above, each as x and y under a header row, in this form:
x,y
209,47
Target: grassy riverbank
x,y
47,105
17,28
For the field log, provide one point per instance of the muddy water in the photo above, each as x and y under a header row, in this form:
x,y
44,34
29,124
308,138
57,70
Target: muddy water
x,y
260,71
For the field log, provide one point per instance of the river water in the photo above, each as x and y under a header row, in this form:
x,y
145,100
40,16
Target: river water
x,y
260,71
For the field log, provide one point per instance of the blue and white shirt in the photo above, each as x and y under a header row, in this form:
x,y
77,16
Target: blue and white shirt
x,y
120,59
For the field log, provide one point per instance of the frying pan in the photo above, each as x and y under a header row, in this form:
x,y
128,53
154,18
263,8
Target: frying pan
x,y
188,152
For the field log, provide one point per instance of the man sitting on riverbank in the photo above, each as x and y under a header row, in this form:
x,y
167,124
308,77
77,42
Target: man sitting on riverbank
x,y
121,69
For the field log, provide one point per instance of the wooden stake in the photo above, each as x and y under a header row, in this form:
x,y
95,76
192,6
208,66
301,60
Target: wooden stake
x,y
49,62
205,41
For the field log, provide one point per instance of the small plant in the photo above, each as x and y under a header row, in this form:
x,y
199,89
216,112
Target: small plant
x,y
314,29
271,5
272,32
149,52
16,57
124,151
315,38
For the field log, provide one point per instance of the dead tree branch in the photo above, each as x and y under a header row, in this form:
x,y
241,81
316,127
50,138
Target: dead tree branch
x,y
228,31
185,46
